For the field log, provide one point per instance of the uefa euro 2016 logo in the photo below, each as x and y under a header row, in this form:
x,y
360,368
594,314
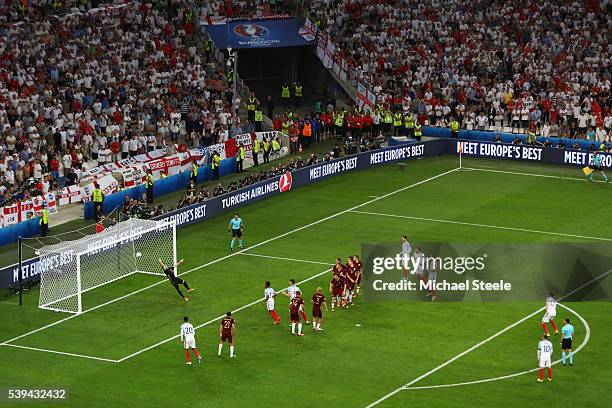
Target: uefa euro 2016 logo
x,y
252,31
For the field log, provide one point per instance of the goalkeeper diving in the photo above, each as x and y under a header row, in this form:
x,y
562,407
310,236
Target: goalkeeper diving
x,y
175,280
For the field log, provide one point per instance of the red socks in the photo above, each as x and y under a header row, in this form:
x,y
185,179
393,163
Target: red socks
x,y
552,322
274,316
545,328
549,372
304,316
541,374
187,355
196,352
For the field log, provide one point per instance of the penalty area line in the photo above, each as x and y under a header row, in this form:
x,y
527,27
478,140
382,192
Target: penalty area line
x,y
473,224
399,190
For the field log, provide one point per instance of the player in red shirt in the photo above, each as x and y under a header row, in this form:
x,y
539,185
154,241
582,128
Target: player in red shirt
x,y
318,301
350,277
358,267
337,288
296,307
227,332
338,267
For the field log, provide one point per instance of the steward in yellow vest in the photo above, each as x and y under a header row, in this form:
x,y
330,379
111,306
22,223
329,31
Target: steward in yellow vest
x,y
214,165
266,150
258,120
285,95
194,171
240,158
256,149
44,222
454,125
418,132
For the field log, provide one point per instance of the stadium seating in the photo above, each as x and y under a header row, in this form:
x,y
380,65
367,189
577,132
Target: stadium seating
x,y
540,63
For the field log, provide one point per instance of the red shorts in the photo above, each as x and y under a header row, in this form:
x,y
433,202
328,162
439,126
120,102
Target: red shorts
x,y
295,317
227,337
317,313
337,292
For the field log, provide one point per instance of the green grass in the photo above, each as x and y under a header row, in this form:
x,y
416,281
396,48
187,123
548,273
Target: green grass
x,y
363,353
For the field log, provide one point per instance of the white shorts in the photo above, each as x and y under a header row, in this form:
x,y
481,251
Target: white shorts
x,y
545,362
189,343
548,317
270,304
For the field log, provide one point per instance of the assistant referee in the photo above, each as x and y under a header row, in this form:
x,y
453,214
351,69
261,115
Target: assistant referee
x,y
235,230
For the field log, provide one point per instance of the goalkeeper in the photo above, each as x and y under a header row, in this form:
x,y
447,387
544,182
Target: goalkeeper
x,y
597,166
175,280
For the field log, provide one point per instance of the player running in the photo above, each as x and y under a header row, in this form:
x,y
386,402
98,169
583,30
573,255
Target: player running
x,y
269,295
551,312
235,229
291,292
188,339
406,249
567,333
227,332
337,288
597,166
296,308
318,301
545,350
175,280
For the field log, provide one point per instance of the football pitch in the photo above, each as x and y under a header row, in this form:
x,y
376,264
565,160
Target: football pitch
x,y
124,349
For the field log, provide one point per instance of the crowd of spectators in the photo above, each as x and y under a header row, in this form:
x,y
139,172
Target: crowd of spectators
x,y
87,89
491,64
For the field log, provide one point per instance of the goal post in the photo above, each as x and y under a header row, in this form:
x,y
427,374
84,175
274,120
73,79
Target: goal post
x,y
71,269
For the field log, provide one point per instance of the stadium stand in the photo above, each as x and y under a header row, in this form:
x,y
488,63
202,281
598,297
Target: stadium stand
x,y
530,66
89,88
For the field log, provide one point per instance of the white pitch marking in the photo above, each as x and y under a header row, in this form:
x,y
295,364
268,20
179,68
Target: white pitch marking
x,y
474,347
472,224
286,259
230,255
518,173
62,353
587,336
214,320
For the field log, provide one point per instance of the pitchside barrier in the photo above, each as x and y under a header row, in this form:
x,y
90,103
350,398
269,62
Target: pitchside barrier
x,y
307,175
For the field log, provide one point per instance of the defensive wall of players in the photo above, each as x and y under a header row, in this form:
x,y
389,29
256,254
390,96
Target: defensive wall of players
x,y
307,175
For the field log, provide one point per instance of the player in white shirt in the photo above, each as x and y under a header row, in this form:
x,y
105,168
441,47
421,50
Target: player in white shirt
x,y
545,350
269,295
291,292
188,339
418,264
549,316
406,249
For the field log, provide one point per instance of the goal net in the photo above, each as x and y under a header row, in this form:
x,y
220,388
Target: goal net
x,y
70,269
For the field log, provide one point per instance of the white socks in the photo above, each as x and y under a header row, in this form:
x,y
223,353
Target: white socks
x,y
231,351
299,328
220,348
292,328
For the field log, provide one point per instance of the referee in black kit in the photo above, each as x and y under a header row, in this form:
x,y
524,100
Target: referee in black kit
x,y
175,280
